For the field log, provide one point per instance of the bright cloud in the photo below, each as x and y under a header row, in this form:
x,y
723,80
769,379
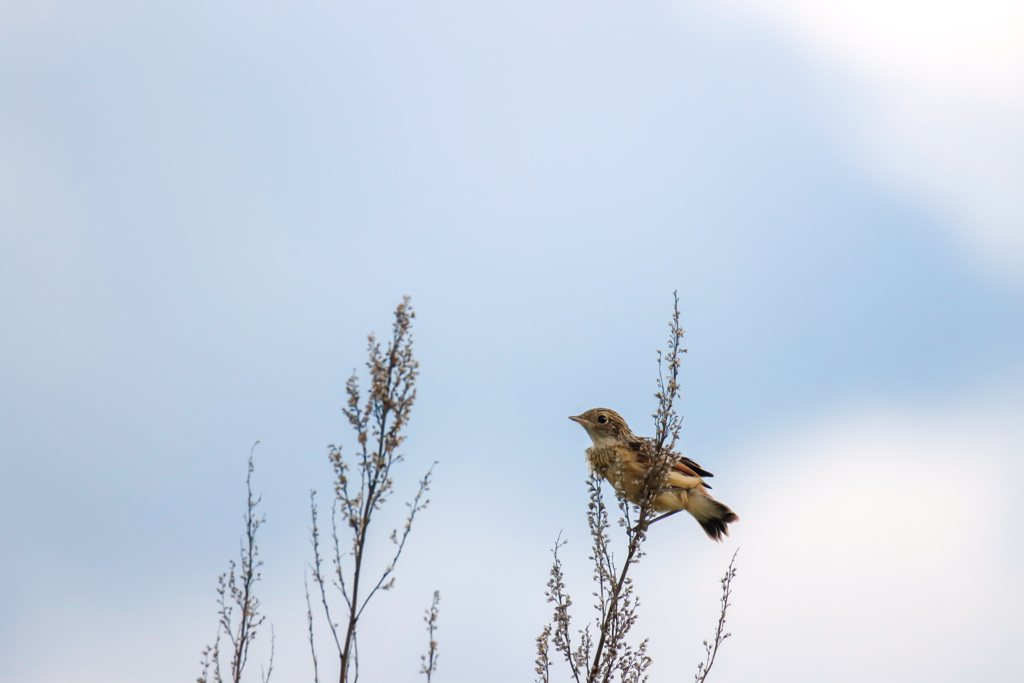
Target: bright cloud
x,y
878,548
944,116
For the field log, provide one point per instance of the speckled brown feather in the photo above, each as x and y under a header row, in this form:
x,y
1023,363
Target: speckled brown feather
x,y
624,459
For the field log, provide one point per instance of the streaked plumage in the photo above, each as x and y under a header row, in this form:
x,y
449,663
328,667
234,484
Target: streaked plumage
x,y
623,459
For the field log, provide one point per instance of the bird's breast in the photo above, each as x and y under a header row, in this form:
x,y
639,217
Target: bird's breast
x,y
600,458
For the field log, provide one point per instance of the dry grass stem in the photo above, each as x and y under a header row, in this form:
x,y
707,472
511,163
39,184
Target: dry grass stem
x,y
309,625
429,666
237,590
363,484
711,649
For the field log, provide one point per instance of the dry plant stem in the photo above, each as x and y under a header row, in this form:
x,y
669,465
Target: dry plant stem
x,y
309,623
667,424
616,603
661,517
244,596
667,421
562,637
429,666
364,483
211,657
270,665
318,574
238,591
611,608
543,660
711,650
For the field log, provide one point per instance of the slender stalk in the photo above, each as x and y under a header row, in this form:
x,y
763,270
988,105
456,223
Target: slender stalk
x,y
309,623
429,666
378,419
711,650
236,589
612,610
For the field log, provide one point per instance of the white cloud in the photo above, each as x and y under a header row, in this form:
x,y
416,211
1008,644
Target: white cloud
x,y
878,547
944,115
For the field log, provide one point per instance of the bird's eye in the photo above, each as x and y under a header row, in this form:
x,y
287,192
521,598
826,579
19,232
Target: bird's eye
x,y
602,419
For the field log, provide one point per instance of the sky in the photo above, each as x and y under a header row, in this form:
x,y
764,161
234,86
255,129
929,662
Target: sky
x,y
205,207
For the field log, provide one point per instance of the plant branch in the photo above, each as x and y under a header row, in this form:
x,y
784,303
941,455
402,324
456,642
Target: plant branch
x,y
711,650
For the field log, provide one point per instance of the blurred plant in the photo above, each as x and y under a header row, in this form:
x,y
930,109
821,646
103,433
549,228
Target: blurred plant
x,y
429,666
605,653
378,423
238,590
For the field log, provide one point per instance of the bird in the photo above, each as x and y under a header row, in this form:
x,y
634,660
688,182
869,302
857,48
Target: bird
x,y
624,459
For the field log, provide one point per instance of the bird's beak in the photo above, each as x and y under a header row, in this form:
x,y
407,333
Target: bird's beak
x,y
577,418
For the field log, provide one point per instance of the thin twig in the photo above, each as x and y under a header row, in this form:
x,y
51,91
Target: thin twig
x,y
309,622
661,517
237,590
429,665
414,507
317,575
270,665
711,651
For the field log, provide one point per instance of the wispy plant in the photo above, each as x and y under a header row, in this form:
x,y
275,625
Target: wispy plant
x,y
429,666
711,649
601,651
236,589
363,484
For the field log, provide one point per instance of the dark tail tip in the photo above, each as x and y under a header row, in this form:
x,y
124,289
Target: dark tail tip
x,y
716,524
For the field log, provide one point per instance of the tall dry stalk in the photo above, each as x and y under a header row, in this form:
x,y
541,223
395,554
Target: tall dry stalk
x,y
429,661
711,649
363,484
237,590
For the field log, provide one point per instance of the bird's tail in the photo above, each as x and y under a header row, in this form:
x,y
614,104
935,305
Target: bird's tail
x,y
714,517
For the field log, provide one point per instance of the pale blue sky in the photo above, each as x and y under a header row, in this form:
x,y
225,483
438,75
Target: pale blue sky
x,y
206,206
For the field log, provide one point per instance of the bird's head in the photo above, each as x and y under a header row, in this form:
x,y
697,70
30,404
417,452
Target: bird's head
x,y
603,425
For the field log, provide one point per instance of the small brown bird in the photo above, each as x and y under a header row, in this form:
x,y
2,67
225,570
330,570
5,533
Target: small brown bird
x,y
624,459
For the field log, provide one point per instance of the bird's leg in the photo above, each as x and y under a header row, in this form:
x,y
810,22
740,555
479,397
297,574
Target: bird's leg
x,y
667,514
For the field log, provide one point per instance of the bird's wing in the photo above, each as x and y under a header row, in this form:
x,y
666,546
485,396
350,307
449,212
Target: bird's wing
x,y
694,467
683,466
